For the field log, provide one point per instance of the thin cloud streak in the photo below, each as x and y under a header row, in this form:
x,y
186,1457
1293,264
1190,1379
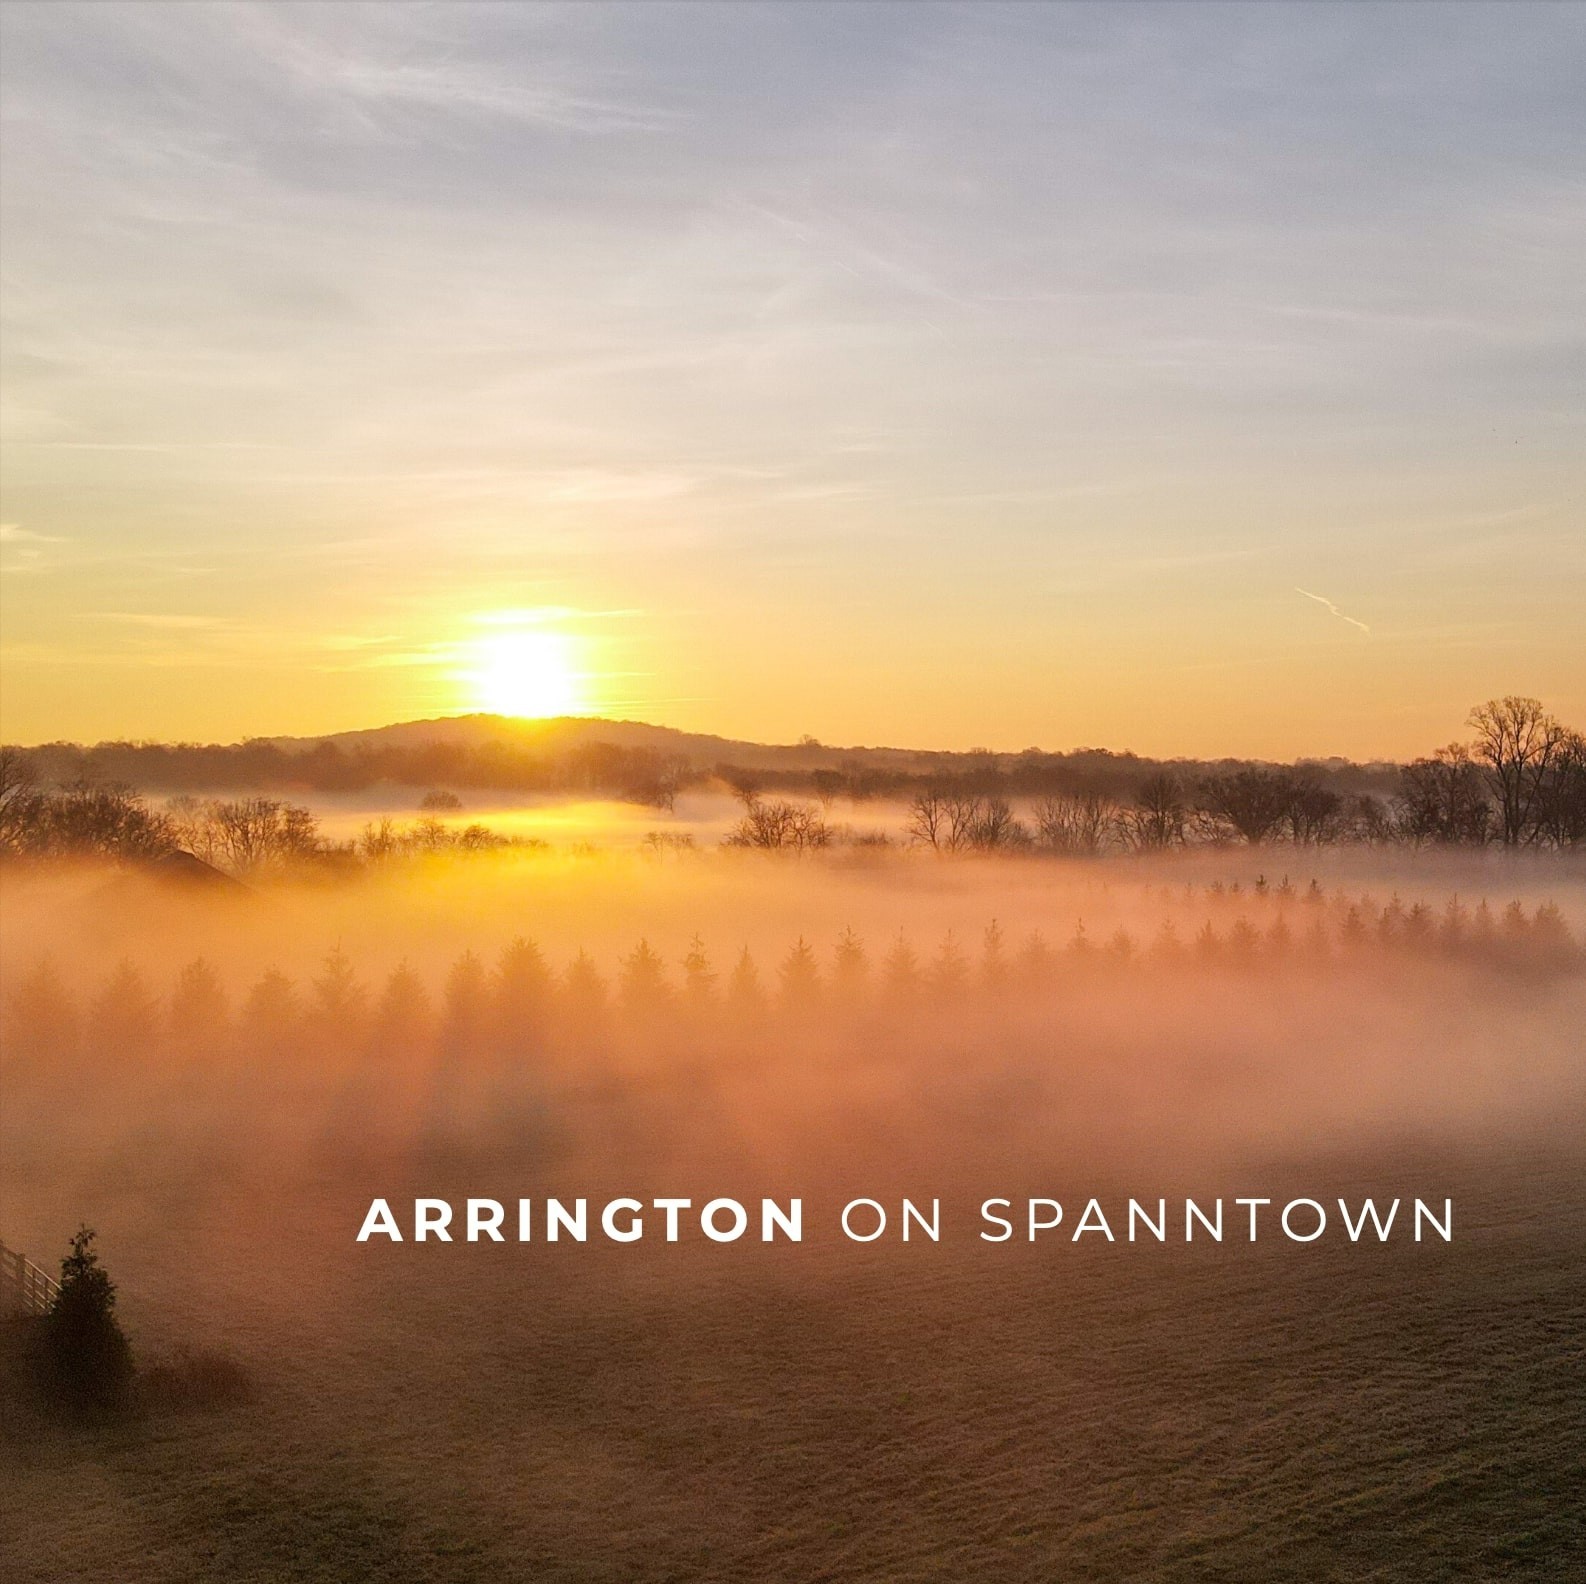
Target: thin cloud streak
x,y
1321,599
14,533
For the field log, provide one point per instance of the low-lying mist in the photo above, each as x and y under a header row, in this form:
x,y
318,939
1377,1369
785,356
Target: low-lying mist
x,y
751,1023
222,1080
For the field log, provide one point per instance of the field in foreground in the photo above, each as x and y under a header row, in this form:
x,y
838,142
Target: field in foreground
x,y
944,1413
650,1412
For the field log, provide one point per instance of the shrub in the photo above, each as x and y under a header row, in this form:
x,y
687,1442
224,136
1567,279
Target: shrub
x,y
87,1361
194,1379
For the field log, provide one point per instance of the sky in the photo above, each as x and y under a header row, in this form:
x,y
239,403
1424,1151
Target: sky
x,y
1192,379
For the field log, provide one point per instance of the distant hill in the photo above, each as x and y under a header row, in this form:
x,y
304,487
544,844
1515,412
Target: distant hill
x,y
555,735
628,759
565,732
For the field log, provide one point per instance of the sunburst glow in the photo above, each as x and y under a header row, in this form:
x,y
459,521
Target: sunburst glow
x,y
528,674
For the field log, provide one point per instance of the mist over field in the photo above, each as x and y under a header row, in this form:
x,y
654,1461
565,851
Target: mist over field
x,y
221,1082
1086,1030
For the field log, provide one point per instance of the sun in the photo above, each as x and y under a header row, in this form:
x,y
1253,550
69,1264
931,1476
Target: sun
x,y
528,674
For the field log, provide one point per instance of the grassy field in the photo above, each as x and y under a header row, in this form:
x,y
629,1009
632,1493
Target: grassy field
x,y
952,1412
947,1411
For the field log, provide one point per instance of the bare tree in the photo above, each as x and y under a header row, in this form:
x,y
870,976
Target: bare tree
x,y
965,810
378,840
259,830
1254,802
1443,799
928,817
1368,819
109,821
245,834
1076,824
827,783
994,828
780,826
1156,822
1561,803
1516,741
1315,814
21,801
946,818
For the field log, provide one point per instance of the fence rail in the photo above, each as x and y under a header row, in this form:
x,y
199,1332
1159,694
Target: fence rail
x,y
24,1287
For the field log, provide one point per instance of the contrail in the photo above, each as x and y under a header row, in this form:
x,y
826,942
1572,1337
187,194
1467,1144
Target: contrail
x,y
1321,599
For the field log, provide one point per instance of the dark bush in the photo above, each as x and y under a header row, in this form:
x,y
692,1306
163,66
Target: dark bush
x,y
87,1361
193,1379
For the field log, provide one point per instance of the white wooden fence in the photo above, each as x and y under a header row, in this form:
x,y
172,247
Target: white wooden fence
x,y
24,1286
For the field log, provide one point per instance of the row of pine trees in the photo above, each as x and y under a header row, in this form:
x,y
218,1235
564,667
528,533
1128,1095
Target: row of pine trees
x,y
521,999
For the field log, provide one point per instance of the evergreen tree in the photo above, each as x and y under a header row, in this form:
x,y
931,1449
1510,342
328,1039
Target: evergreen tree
x,y
950,969
339,1011
271,1015
1167,948
87,1359
1243,941
524,990
465,1007
800,975
850,966
745,994
124,1019
1550,936
583,991
41,1023
699,982
642,987
198,1009
403,1018
901,969
1035,960
993,957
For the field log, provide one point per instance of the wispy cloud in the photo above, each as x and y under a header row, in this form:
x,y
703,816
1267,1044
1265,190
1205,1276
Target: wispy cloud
x,y
159,619
14,533
472,93
369,74
1322,599
537,615
25,550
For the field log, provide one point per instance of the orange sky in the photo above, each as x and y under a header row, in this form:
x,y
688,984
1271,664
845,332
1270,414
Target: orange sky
x,y
1177,381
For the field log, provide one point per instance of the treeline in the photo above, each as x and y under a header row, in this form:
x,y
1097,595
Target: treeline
x,y
1520,781
650,773
1031,773
114,822
521,1002
240,836
634,774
